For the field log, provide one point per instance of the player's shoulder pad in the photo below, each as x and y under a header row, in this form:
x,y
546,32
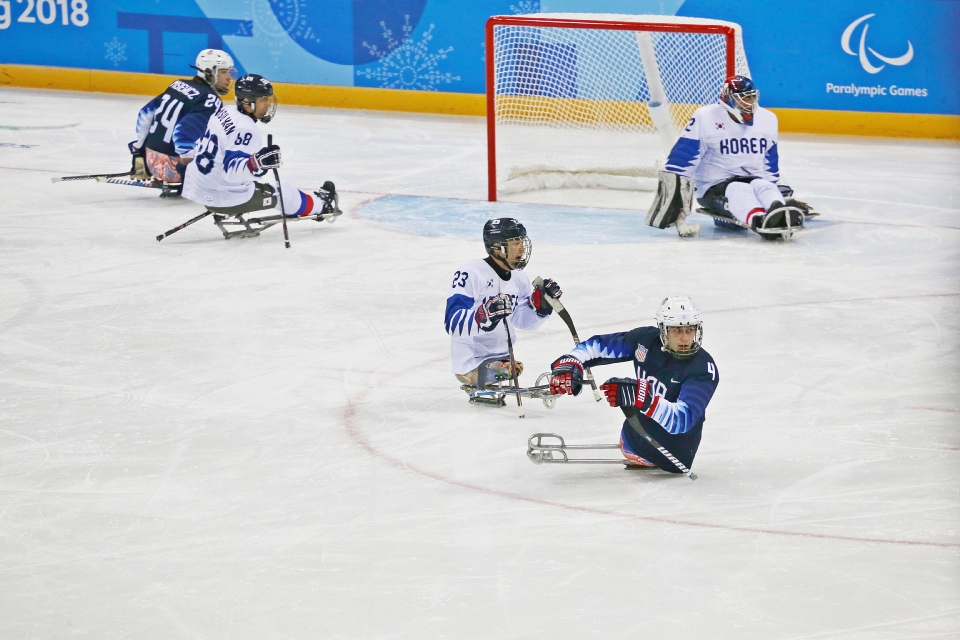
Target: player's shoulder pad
x,y
645,336
702,365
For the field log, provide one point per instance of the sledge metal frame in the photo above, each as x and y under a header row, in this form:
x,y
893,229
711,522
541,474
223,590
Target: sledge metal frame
x,y
498,391
540,452
251,227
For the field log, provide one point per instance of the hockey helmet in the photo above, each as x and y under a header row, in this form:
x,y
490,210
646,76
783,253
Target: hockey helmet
x,y
498,233
209,64
251,87
679,311
740,97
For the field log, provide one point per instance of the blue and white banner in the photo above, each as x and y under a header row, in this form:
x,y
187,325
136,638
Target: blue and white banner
x,y
898,56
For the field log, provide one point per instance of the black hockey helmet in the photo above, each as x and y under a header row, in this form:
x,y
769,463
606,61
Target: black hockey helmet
x,y
497,234
248,89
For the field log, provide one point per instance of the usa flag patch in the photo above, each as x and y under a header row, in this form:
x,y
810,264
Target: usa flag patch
x,y
641,353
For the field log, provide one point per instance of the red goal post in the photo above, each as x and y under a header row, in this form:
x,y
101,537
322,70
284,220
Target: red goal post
x,y
569,87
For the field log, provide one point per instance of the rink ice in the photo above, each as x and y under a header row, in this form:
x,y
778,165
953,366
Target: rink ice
x,y
203,438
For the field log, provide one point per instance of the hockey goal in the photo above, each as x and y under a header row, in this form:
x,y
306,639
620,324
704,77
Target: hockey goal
x,y
597,100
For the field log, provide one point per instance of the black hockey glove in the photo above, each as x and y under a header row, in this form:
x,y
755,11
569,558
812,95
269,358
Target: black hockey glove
x,y
627,392
489,313
538,298
566,376
266,158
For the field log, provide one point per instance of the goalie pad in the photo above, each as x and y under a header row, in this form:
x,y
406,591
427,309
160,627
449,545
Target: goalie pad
x,y
674,196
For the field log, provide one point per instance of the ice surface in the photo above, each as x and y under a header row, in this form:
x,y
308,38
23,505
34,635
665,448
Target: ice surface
x,y
203,438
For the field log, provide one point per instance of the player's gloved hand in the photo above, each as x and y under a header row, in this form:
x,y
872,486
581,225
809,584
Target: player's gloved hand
x,y
266,158
566,376
489,313
138,164
538,298
627,392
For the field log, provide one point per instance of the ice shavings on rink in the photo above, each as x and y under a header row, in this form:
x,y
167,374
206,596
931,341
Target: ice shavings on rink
x,y
451,218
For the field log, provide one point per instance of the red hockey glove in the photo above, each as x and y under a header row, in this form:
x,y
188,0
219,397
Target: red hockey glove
x,y
627,392
489,313
566,376
538,298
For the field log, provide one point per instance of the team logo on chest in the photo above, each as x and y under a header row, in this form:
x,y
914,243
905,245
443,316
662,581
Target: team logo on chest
x,y
720,125
641,353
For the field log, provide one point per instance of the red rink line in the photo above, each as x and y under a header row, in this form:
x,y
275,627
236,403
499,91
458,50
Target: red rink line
x,y
349,424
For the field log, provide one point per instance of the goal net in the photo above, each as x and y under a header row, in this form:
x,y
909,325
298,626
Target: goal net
x,y
597,100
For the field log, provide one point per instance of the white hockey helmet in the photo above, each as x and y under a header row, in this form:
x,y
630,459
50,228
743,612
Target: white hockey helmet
x,y
209,63
679,311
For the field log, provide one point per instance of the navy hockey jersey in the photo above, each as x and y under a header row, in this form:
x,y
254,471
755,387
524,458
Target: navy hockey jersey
x,y
172,122
682,390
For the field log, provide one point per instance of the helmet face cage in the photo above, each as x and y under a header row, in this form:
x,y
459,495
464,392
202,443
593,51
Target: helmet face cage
x,y
679,312
251,87
501,250
498,233
740,97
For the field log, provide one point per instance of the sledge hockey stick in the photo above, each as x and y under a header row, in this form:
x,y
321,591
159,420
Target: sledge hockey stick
x,y
567,320
94,176
632,420
276,176
185,224
513,368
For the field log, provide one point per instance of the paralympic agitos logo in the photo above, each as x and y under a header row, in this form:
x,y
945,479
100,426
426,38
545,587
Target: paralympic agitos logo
x,y
865,60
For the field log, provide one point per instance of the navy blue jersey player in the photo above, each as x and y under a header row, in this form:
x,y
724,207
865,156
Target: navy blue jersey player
x,y
675,381
169,126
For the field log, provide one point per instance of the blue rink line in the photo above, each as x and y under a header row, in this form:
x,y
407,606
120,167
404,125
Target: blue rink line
x,y
449,218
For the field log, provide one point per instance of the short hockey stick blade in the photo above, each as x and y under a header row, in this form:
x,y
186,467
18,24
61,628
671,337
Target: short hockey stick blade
x,y
185,224
95,176
631,415
550,448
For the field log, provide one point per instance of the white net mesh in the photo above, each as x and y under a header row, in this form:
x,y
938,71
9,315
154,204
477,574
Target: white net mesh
x,y
577,106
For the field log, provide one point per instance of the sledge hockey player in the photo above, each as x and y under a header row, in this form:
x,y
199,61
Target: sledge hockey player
x,y
485,292
727,157
675,381
230,154
169,126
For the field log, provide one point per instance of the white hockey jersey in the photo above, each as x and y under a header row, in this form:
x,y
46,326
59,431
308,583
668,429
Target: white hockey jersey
x,y
714,148
473,284
218,175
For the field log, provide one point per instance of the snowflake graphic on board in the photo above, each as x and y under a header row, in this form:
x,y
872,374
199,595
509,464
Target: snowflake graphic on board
x,y
526,6
407,64
116,51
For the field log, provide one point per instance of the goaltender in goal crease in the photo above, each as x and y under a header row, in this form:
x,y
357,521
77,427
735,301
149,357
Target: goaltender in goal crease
x,y
727,160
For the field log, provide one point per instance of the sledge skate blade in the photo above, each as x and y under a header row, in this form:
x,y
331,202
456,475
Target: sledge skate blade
x,y
541,392
550,448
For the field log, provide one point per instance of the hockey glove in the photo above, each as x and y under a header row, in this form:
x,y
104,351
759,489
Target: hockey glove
x,y
627,392
489,313
266,158
566,376
538,298
138,166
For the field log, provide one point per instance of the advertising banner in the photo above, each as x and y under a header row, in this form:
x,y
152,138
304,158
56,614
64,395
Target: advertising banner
x,y
892,56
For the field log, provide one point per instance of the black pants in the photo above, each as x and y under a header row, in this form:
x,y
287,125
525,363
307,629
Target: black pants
x,y
264,197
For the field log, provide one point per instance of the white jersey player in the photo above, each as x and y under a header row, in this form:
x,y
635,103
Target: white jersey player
x,y
729,151
231,153
485,292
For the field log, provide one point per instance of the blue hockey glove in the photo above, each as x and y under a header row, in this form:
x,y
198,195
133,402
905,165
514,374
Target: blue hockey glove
x,y
538,298
266,158
627,392
566,376
489,313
